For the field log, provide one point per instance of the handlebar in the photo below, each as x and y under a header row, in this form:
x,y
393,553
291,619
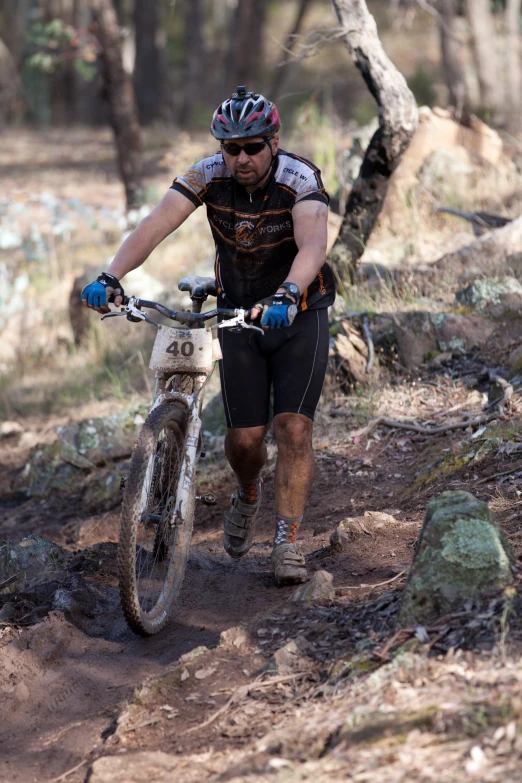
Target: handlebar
x,y
133,312
182,316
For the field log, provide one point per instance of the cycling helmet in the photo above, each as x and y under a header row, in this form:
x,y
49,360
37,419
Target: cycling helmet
x,y
245,114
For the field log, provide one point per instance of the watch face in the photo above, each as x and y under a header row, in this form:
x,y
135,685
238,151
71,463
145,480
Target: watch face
x,y
292,289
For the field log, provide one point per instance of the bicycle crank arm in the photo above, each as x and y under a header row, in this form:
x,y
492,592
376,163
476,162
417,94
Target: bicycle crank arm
x,y
207,500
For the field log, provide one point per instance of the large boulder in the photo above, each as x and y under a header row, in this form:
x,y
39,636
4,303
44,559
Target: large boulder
x,y
461,552
422,334
87,458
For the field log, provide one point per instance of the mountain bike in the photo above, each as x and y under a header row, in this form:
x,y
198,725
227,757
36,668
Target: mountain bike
x,y
159,491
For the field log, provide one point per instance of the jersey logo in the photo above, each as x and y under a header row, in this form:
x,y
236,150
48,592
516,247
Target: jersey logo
x,y
245,233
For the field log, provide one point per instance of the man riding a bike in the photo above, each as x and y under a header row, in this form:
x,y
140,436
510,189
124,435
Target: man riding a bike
x,y
267,211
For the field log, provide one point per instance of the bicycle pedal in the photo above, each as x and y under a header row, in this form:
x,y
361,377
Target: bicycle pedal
x,y
207,500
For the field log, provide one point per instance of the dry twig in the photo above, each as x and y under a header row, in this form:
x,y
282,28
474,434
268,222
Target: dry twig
x,y
371,587
384,421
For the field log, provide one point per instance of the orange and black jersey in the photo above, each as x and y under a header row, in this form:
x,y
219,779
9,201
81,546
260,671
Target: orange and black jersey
x,y
254,232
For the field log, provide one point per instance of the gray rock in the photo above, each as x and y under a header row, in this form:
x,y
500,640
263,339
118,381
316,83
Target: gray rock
x,y
496,296
144,767
293,656
86,458
461,553
34,560
319,588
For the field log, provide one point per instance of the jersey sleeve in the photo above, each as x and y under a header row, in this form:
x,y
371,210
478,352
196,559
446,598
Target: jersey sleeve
x,y
312,189
194,182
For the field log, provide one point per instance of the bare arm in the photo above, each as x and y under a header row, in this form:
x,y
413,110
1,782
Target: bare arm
x,y
170,213
310,229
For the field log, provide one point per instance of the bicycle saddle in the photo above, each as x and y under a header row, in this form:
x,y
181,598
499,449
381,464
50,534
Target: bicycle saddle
x,y
198,286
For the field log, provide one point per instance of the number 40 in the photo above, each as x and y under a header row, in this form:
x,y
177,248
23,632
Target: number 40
x,y
187,348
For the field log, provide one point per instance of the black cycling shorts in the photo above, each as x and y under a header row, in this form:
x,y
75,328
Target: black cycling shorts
x,y
291,359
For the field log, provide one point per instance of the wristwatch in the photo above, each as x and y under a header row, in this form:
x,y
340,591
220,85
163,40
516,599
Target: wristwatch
x,y
292,289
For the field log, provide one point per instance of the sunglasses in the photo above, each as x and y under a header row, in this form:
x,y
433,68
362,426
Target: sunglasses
x,y
250,148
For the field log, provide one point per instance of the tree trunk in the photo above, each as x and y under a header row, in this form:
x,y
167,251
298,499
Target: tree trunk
x,y
483,37
513,77
193,14
246,44
150,69
452,67
284,73
15,17
9,84
398,117
120,94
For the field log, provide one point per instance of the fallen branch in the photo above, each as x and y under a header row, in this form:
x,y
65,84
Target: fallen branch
x,y
69,772
371,587
367,334
383,421
240,693
8,581
502,473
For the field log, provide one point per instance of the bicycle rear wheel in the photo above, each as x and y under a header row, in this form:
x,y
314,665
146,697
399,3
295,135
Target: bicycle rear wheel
x,y
152,553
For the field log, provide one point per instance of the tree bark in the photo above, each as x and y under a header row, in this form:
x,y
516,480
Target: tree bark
x,y
452,66
122,103
513,76
15,17
193,14
246,43
9,84
483,37
284,73
150,69
398,117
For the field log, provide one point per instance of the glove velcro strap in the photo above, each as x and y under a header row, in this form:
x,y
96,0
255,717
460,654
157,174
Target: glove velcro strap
x,y
108,280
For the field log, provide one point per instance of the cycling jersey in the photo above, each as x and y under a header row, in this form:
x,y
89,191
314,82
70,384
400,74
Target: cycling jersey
x,y
254,232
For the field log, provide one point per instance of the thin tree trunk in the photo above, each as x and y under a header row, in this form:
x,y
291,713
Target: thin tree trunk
x,y
123,111
9,84
451,48
284,73
513,76
15,18
246,43
398,117
483,38
150,69
193,14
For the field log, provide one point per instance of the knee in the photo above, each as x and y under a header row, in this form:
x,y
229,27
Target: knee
x,y
245,440
292,431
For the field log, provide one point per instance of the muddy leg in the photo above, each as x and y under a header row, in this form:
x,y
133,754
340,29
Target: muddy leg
x,y
246,452
295,465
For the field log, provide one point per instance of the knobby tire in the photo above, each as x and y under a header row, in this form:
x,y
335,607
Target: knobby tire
x,y
169,419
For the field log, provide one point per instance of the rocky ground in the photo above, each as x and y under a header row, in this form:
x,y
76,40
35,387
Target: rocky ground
x,y
246,683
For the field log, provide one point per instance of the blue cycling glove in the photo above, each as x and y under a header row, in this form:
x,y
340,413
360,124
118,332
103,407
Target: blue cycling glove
x,y
278,310
102,291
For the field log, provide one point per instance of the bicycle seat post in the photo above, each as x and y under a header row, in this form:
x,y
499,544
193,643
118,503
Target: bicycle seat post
x,y
198,297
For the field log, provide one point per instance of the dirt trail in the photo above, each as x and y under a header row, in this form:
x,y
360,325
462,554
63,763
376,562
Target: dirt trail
x,y
64,680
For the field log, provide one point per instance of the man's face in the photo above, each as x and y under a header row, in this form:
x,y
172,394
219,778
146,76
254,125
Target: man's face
x,y
249,170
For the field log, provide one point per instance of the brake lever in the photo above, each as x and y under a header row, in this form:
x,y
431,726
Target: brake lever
x,y
113,315
237,322
132,313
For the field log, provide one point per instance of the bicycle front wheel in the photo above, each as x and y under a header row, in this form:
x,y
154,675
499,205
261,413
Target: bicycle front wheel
x,y
152,553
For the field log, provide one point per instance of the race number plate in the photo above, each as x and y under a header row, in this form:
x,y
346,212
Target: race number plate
x,y
182,350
